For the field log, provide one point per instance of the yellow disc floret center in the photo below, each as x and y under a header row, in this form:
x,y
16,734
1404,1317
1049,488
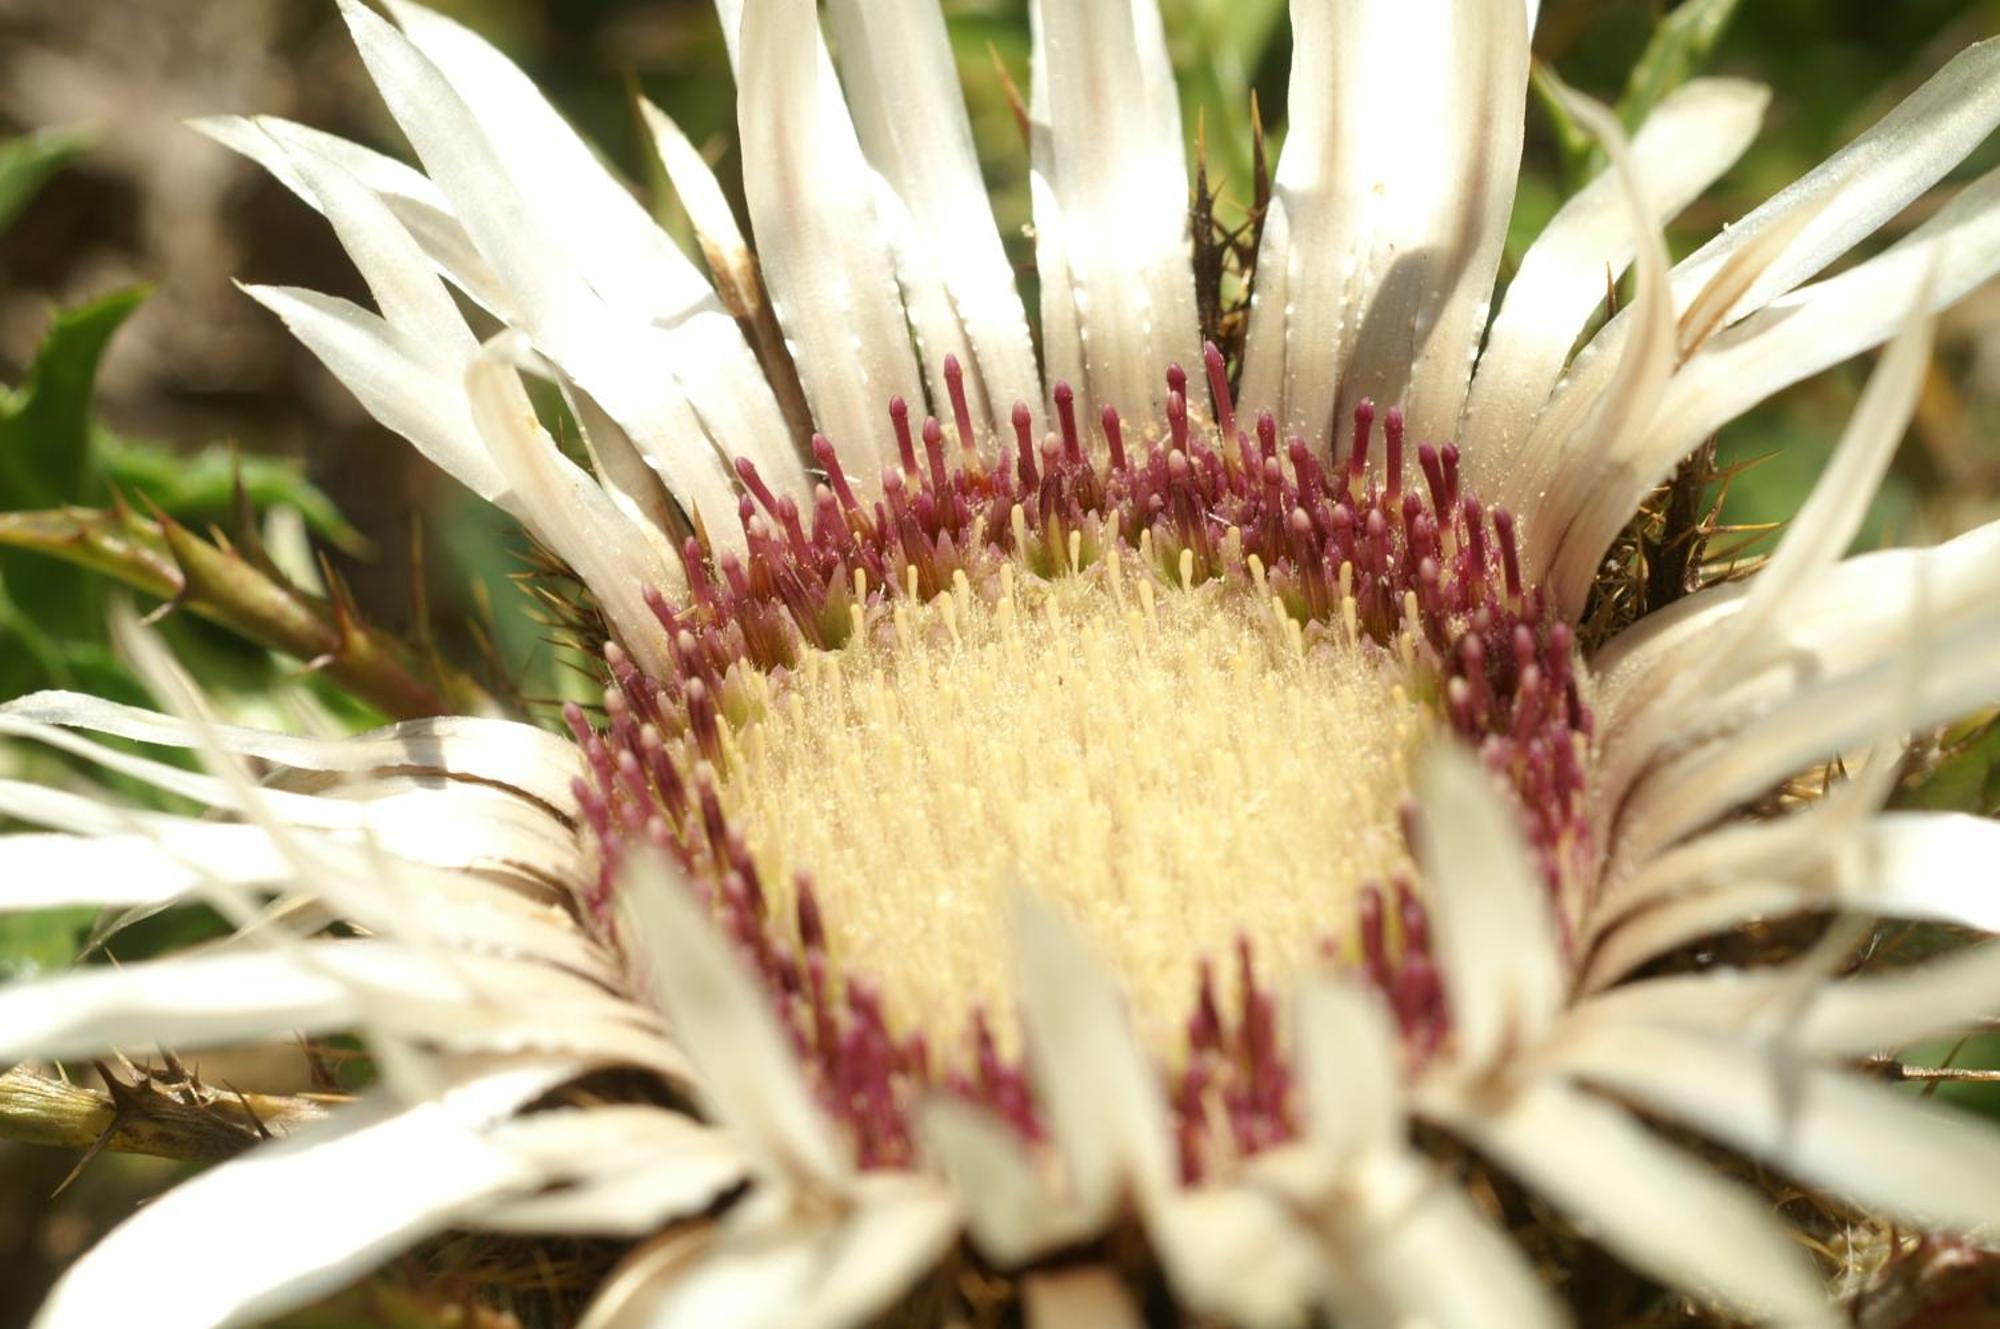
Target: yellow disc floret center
x,y
1172,766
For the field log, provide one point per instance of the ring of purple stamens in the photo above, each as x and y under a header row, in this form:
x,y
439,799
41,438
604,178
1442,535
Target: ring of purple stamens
x,y
1211,500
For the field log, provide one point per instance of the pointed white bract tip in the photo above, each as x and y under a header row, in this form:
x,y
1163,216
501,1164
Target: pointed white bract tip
x,y
1103,1103
228,130
749,1074
1348,1064
721,240
565,508
406,13
1495,934
1237,1254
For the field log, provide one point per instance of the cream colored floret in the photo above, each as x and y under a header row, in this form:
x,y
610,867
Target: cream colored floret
x,y
1171,766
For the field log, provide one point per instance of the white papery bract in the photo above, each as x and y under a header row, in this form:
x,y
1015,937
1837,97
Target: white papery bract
x,y
473,958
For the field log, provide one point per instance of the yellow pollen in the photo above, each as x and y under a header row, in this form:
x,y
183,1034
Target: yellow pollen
x,y
1173,765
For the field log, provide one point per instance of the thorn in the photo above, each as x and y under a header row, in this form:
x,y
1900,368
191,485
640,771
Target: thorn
x,y
119,1101
1013,92
420,594
239,496
1260,167
243,1101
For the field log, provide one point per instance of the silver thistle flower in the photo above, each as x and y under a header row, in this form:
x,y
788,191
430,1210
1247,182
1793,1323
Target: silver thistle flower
x,y
940,754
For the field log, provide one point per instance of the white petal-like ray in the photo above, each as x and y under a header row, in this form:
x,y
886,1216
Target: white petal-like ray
x,y
1889,1012
1867,182
1851,616
1941,668
824,1271
614,1170
378,1179
1922,866
751,1077
426,322
1388,211
620,251
1085,1298
619,465
400,276
1799,335
1693,136
1011,1214
393,379
1934,865
1821,847
1760,629
521,757
1678,921
422,208
1633,393
1652,1205
1102,1102
902,86
1494,930
1110,198
1849,196
52,870
239,995
1347,1070
1875,1013
1392,1210
570,513
615,358
722,244
1430,1224
1898,1154
466,826
345,811
731,265
1235,1254
1833,512
813,210
172,860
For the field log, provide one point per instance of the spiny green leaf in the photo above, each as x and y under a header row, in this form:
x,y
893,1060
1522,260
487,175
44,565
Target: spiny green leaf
x,y
45,437
1573,141
29,657
1681,45
110,543
36,943
1964,776
26,163
239,591
49,613
200,487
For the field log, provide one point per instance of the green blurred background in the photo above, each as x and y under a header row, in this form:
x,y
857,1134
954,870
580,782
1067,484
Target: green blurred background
x,y
123,196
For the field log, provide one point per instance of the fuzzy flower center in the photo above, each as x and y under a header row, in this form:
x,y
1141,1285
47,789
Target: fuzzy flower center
x,y
1173,685
1174,767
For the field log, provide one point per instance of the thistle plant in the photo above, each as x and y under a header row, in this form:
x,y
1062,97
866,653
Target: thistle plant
x,y
1174,813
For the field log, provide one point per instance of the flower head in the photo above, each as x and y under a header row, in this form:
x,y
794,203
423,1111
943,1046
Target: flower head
x,y
1135,791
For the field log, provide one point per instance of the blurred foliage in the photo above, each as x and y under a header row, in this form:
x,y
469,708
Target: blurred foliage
x,y
27,162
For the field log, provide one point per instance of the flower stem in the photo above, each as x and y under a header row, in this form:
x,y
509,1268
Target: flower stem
x,y
144,1118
